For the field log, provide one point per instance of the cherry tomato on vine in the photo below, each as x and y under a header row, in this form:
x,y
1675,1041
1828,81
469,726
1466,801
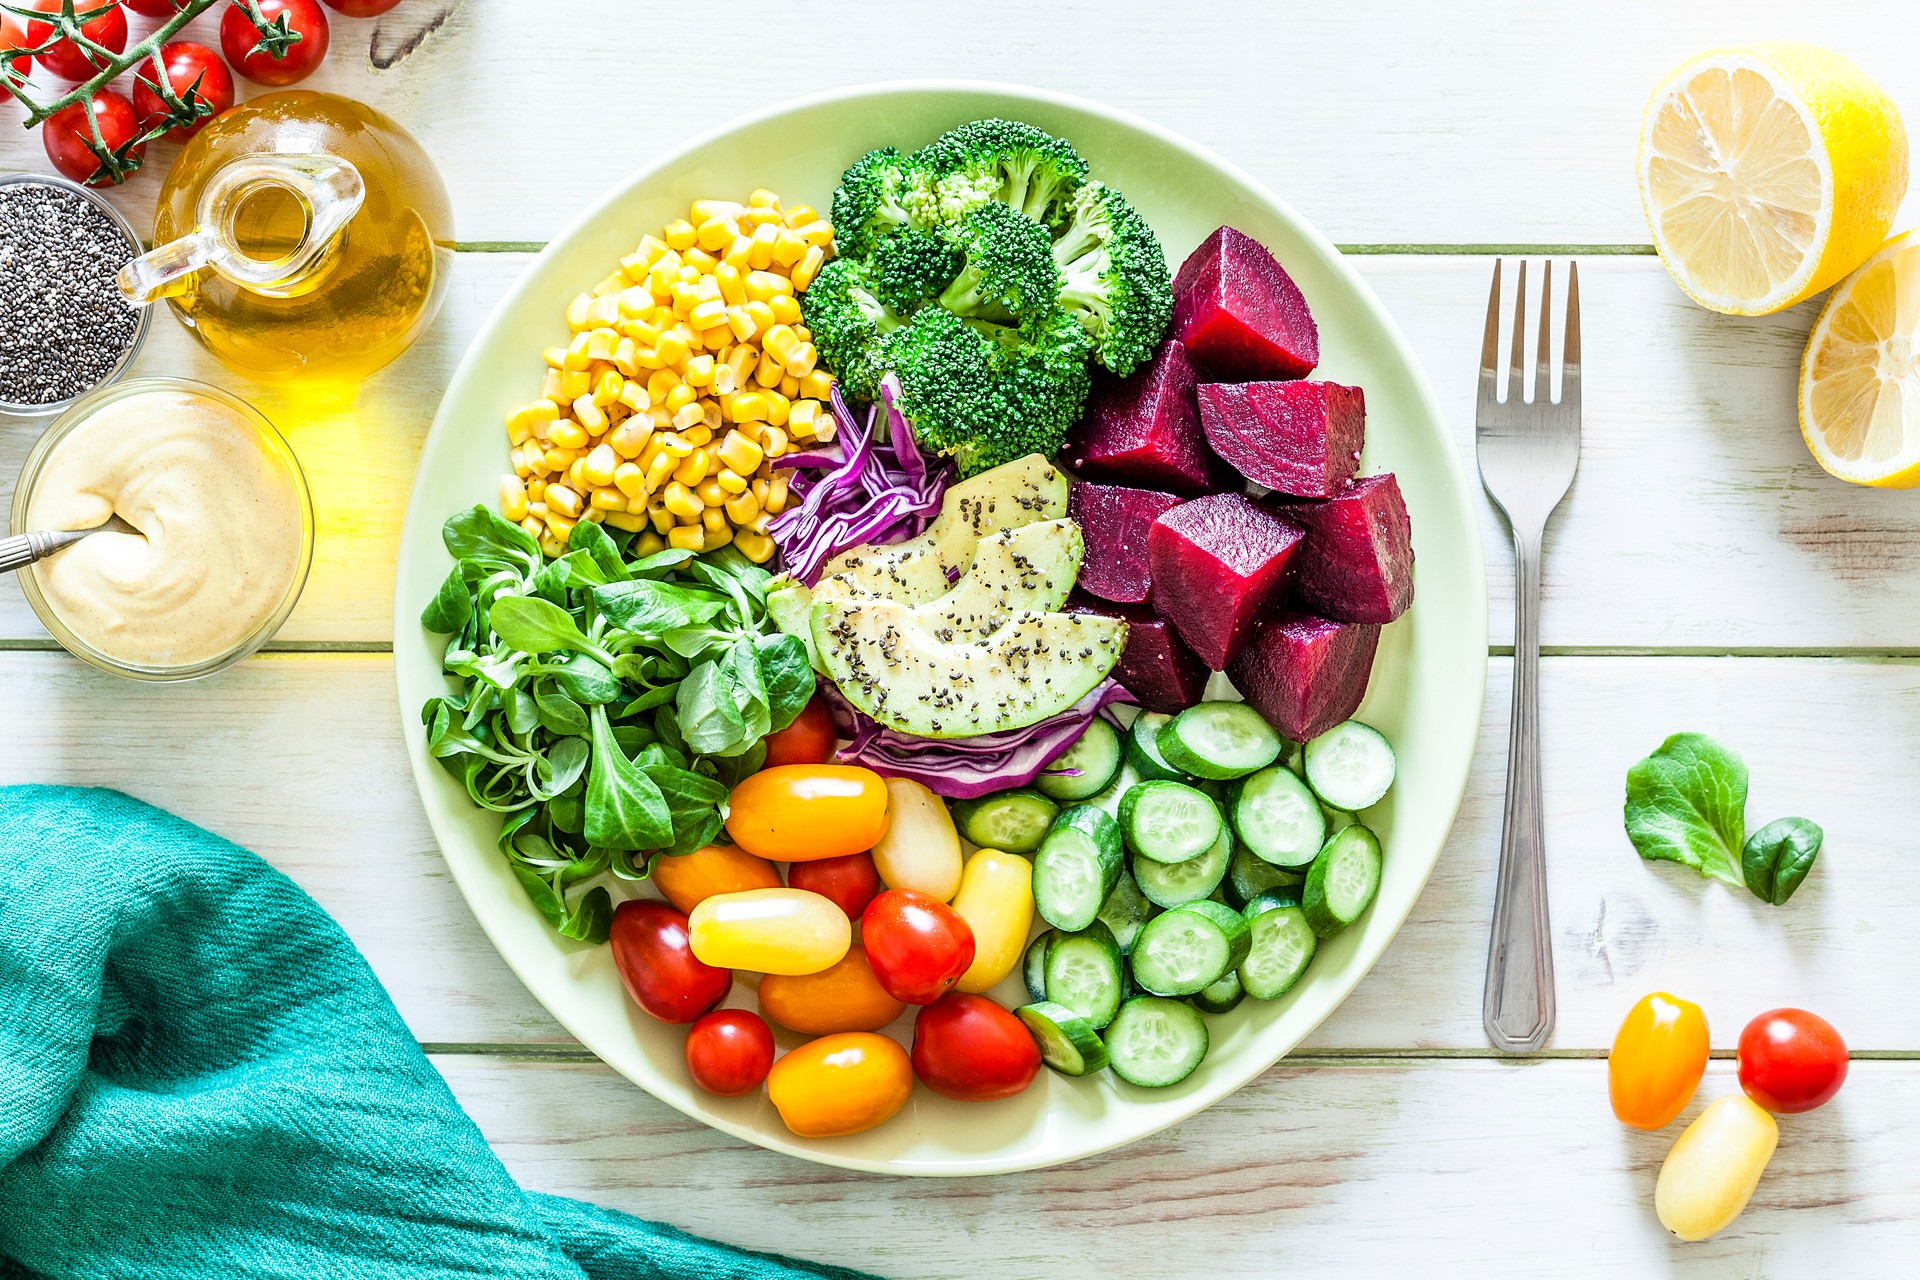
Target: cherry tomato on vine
x,y
154,8
657,964
849,882
361,8
240,40
1791,1060
968,1047
69,141
14,36
1657,1059
66,59
187,66
808,740
799,812
729,1051
918,946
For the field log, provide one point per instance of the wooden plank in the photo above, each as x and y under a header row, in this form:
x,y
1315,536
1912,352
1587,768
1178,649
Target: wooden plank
x,y
1330,1168
1527,135
300,758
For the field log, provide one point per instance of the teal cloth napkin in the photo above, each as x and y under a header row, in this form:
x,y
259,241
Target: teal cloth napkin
x,y
200,1077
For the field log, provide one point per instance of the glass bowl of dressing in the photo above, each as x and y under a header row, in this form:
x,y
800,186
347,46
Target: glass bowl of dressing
x,y
224,520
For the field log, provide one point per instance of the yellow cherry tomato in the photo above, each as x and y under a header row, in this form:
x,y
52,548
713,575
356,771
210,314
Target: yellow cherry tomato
x,y
840,1084
692,878
770,931
921,850
1712,1171
846,997
996,901
1657,1060
801,812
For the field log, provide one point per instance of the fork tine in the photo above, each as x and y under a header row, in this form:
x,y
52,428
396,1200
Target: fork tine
x,y
1570,345
1543,361
1516,375
1490,346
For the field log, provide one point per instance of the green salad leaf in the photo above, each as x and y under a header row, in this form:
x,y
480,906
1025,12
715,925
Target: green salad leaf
x,y
1687,803
1778,856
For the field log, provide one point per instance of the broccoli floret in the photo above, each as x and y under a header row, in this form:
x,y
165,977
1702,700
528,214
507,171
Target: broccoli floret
x,y
872,199
843,309
912,265
1002,161
1115,277
1009,272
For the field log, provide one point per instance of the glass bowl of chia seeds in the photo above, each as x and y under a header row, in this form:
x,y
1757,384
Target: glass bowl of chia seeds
x,y
68,327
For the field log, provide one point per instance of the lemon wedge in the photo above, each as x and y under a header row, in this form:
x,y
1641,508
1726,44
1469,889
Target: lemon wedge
x,y
1769,172
1860,377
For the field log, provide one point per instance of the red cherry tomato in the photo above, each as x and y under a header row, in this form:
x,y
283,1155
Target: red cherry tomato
x,y
918,945
13,35
187,66
808,740
69,142
849,882
240,41
154,8
657,964
729,1052
361,8
1791,1060
968,1047
67,59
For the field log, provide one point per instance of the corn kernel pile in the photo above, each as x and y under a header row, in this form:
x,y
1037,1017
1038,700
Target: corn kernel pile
x,y
688,372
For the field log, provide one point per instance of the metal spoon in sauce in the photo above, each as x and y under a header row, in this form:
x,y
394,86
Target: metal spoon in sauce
x,y
25,548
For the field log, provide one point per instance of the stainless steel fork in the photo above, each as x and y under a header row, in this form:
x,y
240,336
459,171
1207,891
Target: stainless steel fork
x,y
1528,451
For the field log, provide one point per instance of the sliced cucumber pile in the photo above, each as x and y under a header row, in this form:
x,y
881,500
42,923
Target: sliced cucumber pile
x,y
1143,751
1076,867
1086,768
1350,766
1169,821
1219,740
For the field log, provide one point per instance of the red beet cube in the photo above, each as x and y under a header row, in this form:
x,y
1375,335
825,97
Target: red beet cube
x,y
1114,521
1297,438
1216,561
1156,667
1240,314
1358,562
1306,674
1145,430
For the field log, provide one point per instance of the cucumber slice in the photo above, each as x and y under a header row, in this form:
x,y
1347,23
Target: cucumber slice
x,y
1174,884
1169,821
1123,781
1155,1042
1067,1043
1126,911
1084,972
1222,997
1011,821
1271,900
1277,818
1218,740
1076,867
1350,766
1097,757
1033,965
1143,753
1283,946
1248,877
1342,881
1188,948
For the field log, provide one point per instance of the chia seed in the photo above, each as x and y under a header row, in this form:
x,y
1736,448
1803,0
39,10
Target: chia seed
x,y
67,323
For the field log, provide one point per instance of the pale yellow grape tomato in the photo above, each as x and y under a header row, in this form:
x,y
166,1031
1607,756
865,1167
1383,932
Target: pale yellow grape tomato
x,y
921,850
996,901
787,931
1712,1170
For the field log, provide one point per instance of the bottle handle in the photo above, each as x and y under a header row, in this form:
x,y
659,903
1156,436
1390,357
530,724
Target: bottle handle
x,y
330,192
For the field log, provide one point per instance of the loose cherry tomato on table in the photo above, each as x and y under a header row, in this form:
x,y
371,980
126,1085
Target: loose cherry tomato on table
x,y
361,8
187,67
840,1084
1657,1059
968,1047
849,882
69,140
1708,1177
657,965
729,1052
787,931
1791,1060
799,812
241,41
808,740
845,997
108,29
918,946
689,879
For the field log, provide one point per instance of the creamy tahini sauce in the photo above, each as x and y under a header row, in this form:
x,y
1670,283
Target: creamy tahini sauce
x,y
219,520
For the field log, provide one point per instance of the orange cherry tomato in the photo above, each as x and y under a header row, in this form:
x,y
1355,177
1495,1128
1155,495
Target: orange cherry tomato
x,y
841,1084
692,878
799,812
846,997
808,740
1657,1060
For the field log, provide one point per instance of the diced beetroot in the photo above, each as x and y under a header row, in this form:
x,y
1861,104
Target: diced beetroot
x,y
1358,561
1306,674
1145,430
1155,667
1240,314
1114,521
1215,562
1296,438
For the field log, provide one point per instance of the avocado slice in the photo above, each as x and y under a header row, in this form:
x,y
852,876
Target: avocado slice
x,y
1030,569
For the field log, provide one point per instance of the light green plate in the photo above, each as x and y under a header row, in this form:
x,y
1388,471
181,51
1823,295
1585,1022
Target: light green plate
x,y
1427,685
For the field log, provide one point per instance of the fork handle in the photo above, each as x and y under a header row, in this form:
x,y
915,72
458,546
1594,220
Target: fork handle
x,y
1519,1004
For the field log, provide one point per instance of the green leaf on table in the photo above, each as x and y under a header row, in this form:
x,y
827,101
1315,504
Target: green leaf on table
x,y
787,675
1778,856
1687,803
625,809
451,605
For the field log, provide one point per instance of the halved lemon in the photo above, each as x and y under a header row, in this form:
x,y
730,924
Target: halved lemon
x,y
1768,172
1860,377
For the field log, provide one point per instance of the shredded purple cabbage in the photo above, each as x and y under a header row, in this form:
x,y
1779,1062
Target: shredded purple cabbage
x,y
962,768
854,491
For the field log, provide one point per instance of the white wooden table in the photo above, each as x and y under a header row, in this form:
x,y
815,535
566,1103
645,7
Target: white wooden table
x,y
1704,574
